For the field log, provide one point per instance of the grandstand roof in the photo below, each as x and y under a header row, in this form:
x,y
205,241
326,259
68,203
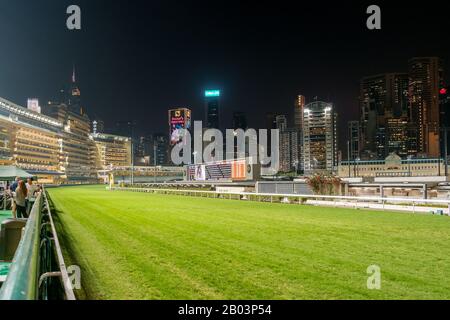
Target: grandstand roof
x,y
9,173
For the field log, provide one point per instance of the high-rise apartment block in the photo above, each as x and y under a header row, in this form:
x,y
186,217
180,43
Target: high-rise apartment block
x,y
400,112
354,140
425,81
382,98
319,138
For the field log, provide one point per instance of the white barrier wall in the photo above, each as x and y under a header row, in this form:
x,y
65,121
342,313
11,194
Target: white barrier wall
x,y
435,206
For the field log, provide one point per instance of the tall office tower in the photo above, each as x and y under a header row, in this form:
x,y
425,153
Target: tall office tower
x,y
284,152
298,115
143,150
298,111
179,122
240,120
396,130
319,138
139,148
212,109
382,97
354,139
98,126
61,98
124,128
271,121
270,124
160,155
146,146
425,81
281,122
74,96
444,110
289,150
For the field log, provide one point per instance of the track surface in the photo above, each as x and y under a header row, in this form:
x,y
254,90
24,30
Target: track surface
x,y
143,246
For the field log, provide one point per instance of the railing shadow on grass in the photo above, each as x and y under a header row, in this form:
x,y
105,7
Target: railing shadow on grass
x,y
68,246
38,271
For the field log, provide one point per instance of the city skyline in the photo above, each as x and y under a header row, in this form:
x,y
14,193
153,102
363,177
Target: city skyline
x,y
70,94
391,106
260,64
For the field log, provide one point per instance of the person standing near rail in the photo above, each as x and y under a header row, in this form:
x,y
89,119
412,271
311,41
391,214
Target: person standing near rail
x,y
32,189
20,200
14,185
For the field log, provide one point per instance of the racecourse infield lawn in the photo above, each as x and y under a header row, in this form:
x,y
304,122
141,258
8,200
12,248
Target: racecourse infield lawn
x,y
146,246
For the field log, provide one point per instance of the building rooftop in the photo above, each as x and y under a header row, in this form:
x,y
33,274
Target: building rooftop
x,y
26,113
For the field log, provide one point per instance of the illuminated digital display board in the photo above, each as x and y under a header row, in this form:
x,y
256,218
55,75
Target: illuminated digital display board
x,y
179,121
212,93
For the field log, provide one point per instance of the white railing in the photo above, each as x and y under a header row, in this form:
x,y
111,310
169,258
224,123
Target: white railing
x,y
379,203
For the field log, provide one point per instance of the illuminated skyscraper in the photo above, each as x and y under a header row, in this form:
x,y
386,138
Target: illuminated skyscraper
x,y
161,150
354,134
270,124
319,138
298,111
270,121
400,138
281,122
444,108
290,145
289,150
425,80
74,96
98,126
382,97
212,109
240,120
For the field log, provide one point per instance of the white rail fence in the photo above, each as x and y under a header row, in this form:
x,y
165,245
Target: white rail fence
x,y
435,206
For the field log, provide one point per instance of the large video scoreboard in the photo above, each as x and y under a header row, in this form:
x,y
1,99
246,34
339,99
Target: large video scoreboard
x,y
179,121
228,170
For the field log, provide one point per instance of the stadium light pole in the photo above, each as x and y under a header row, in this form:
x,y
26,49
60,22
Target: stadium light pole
x,y
132,162
348,158
132,154
446,151
195,156
154,161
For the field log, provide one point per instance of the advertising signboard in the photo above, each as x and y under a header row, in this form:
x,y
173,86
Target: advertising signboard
x,y
179,121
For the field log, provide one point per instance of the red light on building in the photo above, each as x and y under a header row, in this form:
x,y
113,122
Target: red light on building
x,y
443,91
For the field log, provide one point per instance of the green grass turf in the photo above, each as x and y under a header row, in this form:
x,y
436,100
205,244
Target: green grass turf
x,y
142,246
4,215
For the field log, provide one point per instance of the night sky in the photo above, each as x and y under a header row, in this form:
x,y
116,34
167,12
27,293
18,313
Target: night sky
x,y
136,59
